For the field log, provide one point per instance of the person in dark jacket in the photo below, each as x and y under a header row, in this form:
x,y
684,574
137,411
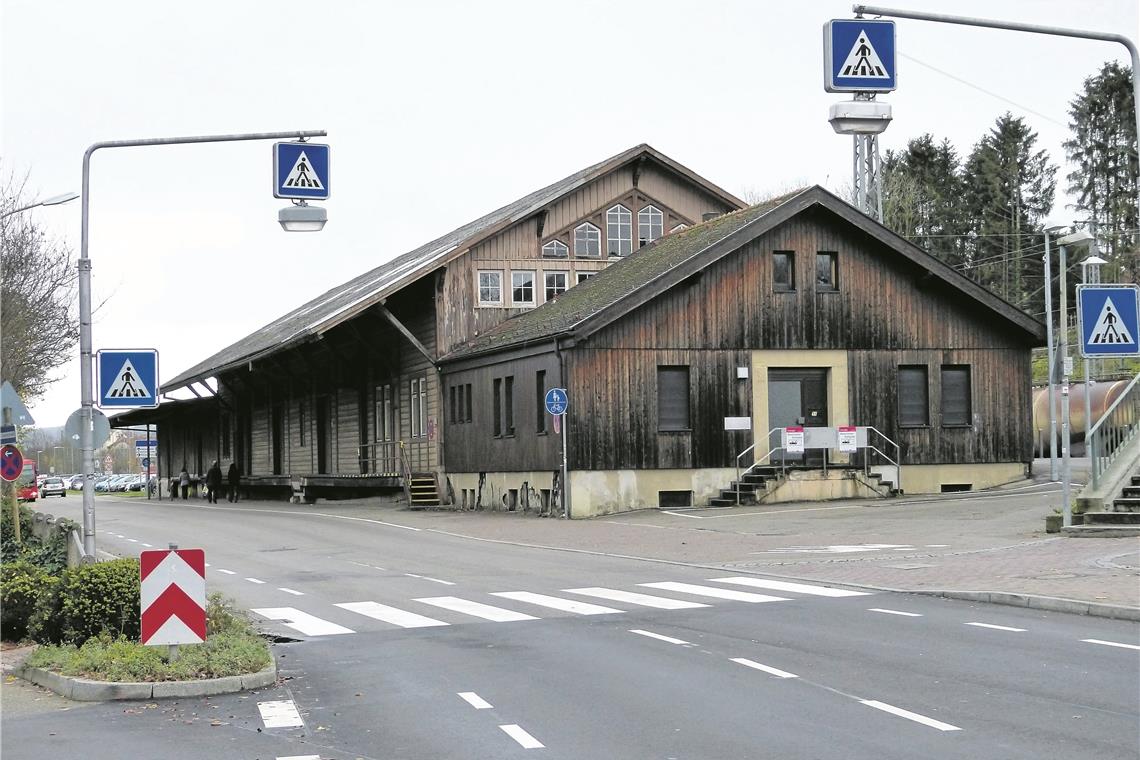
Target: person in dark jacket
x,y
214,481
184,482
233,479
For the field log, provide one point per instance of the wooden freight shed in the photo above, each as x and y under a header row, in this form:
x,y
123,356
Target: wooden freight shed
x,y
341,396
800,311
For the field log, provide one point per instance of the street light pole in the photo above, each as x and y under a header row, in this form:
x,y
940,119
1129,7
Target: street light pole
x,y
1066,368
1051,357
85,345
1033,28
55,200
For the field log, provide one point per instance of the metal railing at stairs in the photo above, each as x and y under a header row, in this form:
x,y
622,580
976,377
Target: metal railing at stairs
x,y
755,463
406,471
896,461
1116,428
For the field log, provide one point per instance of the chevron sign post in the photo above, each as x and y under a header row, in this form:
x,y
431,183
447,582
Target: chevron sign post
x,y
173,592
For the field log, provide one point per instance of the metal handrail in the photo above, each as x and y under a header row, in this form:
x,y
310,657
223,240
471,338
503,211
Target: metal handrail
x,y
1115,428
752,466
407,470
897,461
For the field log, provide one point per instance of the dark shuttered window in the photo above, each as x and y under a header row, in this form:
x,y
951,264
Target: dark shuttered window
x,y
467,408
509,406
783,271
956,408
540,401
913,397
497,406
673,398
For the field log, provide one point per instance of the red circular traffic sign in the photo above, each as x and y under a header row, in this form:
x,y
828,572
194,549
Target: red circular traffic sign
x,y
11,462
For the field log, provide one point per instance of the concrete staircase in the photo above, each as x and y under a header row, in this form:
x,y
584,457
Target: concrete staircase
x,y
423,491
1119,518
754,484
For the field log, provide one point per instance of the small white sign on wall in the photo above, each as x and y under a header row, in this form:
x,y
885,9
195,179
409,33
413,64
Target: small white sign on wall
x,y
737,423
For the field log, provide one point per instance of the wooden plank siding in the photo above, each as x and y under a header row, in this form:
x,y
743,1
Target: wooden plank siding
x,y
884,314
473,447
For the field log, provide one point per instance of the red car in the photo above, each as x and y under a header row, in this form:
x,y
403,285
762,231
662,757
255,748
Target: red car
x,y
26,488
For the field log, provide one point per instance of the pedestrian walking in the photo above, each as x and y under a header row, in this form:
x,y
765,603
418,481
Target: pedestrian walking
x,y
184,481
233,479
214,481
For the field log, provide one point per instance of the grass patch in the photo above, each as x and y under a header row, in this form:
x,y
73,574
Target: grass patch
x,y
232,648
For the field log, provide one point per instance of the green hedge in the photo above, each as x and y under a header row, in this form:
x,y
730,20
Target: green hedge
x,y
22,583
89,600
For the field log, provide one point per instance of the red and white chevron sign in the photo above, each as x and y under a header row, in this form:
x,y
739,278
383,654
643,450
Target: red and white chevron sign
x,y
173,587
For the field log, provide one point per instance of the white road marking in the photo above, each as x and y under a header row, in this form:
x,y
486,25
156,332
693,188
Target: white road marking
x,y
227,572
281,714
390,614
522,737
557,603
1110,643
477,609
149,546
362,564
658,636
255,580
997,627
767,669
718,593
426,578
909,715
679,514
475,700
207,564
310,625
632,597
794,588
301,757
894,612
133,540
291,591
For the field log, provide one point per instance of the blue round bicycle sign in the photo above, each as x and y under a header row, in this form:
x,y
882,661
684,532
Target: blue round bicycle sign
x,y
557,401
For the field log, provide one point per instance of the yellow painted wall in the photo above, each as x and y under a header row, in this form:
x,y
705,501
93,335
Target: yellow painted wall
x,y
838,396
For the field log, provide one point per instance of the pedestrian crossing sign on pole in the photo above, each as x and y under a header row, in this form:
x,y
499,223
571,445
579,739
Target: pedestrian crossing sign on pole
x,y
128,378
1107,316
301,170
859,55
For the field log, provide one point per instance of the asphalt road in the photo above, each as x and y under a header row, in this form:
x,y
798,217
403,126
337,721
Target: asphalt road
x,y
447,647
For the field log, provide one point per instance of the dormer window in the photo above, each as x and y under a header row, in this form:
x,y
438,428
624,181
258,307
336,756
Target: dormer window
x,y
587,241
555,249
619,231
650,224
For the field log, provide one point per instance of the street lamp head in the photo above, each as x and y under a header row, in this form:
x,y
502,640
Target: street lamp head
x,y
1094,260
1054,229
58,199
302,218
1077,238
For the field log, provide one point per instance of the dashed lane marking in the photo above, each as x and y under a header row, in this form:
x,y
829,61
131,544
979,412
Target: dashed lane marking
x,y
1110,643
659,637
997,627
255,580
522,737
280,714
474,700
894,612
291,591
426,578
909,715
227,572
765,668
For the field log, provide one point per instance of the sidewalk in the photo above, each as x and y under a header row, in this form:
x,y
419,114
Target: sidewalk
x,y
992,541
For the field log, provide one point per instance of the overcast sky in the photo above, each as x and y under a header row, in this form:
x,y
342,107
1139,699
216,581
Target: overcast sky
x,y
438,112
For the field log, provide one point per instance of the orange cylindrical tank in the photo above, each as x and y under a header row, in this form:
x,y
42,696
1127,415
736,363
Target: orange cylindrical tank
x,y
1101,397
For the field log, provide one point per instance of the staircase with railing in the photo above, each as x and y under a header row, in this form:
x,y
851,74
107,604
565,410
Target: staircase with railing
x,y
1111,501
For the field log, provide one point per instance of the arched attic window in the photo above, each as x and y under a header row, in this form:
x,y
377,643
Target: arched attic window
x,y
587,241
555,249
619,231
650,224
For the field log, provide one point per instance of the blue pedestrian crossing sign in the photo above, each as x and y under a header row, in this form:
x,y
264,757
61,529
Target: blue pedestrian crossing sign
x,y
301,171
1107,316
128,378
859,56
557,401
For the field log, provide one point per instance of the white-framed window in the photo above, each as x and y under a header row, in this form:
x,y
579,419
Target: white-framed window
x,y
619,231
522,288
490,288
650,223
555,249
583,276
555,284
385,414
679,227
587,241
417,388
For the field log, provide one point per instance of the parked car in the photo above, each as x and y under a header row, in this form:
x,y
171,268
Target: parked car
x,y
53,486
75,483
102,481
136,483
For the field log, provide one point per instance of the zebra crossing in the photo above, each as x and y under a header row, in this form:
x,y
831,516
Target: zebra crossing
x,y
456,610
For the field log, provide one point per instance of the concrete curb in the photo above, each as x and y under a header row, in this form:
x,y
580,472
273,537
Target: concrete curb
x,y
87,690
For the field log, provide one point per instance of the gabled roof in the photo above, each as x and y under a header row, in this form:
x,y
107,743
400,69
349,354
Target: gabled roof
x,y
346,301
650,271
